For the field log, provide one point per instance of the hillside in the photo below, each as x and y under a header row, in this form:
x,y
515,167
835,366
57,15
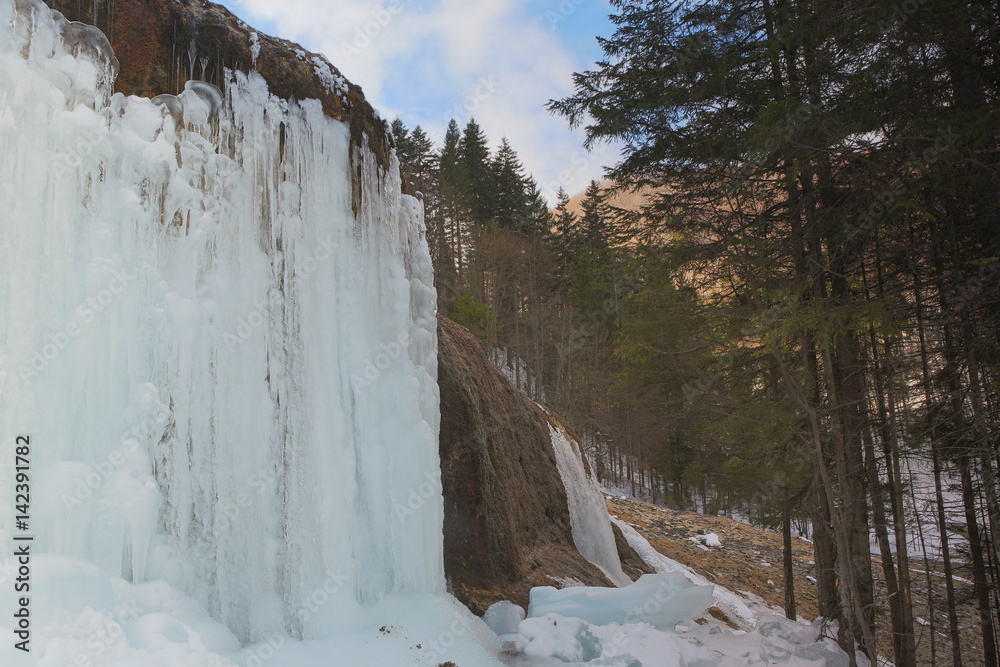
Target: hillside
x,y
749,562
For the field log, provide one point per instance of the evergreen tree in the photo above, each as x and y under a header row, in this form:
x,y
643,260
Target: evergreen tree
x,y
813,163
593,222
448,159
538,218
511,205
476,182
566,236
423,159
565,220
404,144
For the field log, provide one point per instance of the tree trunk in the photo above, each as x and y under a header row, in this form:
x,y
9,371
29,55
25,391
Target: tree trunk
x,y
786,533
978,564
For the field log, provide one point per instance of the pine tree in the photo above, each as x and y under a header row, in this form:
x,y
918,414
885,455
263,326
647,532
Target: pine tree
x,y
812,165
404,144
448,158
566,238
593,222
422,151
476,182
511,205
538,218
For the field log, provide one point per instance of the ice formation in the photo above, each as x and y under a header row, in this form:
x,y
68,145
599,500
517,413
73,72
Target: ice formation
x,y
218,330
776,642
576,642
588,513
662,600
503,617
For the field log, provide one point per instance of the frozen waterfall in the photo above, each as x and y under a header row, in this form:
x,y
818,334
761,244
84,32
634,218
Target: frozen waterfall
x,y
218,330
588,513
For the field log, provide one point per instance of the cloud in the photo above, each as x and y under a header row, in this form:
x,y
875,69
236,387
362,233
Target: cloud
x,y
429,60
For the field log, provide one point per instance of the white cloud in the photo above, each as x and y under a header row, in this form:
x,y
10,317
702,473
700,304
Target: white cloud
x,y
428,60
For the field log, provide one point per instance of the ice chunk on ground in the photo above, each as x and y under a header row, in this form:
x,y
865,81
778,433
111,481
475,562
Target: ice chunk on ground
x,y
736,607
571,640
786,630
627,660
662,600
503,617
648,646
558,637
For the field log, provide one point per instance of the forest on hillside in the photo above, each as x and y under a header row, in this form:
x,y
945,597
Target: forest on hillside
x,y
806,308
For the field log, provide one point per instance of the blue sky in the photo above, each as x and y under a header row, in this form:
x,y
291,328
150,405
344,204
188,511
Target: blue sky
x,y
429,60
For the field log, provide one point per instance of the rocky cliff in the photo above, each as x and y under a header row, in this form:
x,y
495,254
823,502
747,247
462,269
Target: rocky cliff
x,y
506,521
161,44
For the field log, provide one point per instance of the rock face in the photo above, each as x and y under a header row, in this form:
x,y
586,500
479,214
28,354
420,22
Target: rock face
x,y
161,44
506,522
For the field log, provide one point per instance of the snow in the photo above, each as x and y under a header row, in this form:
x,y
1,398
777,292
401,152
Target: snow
x,y
517,371
710,540
662,600
704,541
742,610
588,513
558,637
554,639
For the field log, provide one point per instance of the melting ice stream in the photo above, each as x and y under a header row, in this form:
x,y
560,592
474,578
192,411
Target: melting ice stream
x,y
218,330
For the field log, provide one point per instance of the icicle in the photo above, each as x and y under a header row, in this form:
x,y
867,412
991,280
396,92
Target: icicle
x,y
254,48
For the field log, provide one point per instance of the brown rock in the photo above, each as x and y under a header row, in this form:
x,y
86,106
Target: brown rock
x,y
507,525
632,564
155,39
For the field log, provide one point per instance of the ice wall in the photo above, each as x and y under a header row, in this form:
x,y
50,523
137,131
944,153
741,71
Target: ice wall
x,y
588,513
217,326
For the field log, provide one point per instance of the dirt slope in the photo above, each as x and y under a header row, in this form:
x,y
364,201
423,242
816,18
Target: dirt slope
x,y
739,565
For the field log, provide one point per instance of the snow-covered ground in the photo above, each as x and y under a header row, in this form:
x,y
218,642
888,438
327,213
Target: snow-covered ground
x,y
768,638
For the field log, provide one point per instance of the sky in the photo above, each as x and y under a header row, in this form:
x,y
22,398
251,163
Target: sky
x,y
427,61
